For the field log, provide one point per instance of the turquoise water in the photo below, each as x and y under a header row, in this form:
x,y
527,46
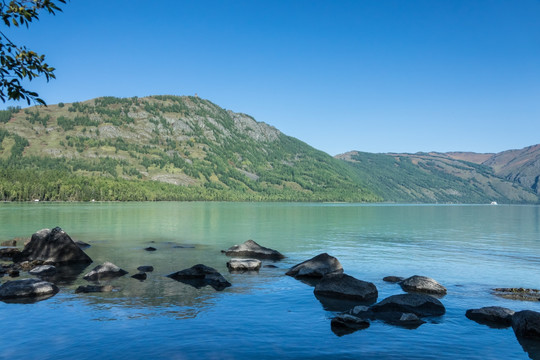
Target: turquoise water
x,y
469,249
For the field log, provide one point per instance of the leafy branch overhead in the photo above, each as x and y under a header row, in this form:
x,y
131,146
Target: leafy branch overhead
x,y
17,63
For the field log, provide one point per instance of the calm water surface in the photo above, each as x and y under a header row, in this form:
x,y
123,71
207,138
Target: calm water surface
x,y
469,249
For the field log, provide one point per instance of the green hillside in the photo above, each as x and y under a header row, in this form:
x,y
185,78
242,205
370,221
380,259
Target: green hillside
x,y
161,148
434,178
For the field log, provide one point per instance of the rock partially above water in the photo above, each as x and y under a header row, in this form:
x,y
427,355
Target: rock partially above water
x,y
241,265
103,272
318,266
201,275
9,243
493,316
43,270
518,294
419,304
52,246
346,287
422,284
150,248
9,253
253,250
27,288
526,324
344,324
393,279
140,276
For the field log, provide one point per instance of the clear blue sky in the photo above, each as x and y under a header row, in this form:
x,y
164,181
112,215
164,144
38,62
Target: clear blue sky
x,y
376,76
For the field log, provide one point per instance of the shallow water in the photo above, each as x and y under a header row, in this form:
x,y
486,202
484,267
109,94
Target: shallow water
x,y
469,249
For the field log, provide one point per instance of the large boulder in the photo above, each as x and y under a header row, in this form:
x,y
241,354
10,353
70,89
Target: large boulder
x,y
422,284
251,249
346,287
419,304
201,275
526,324
242,265
27,288
318,266
52,246
105,272
493,316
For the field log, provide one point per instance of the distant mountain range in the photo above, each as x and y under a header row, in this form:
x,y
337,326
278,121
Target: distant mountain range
x,y
187,148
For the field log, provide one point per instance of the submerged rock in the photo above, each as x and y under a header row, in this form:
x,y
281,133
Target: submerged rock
x,y
393,279
43,270
11,243
518,294
150,248
419,304
82,245
145,268
317,266
422,284
346,287
493,316
93,288
52,246
241,265
27,288
103,272
201,275
251,249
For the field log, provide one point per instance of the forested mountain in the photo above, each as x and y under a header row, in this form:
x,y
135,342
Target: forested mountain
x,y
161,148
436,178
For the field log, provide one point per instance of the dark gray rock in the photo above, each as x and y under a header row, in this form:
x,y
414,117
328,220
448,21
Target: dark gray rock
x,y
526,324
422,284
9,253
251,249
145,268
344,324
103,272
150,248
493,316
419,304
94,288
140,276
393,279
318,266
13,273
346,287
242,265
27,288
43,270
199,276
518,294
53,246
270,266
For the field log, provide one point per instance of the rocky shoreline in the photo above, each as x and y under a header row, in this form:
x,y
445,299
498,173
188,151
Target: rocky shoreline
x,y
51,255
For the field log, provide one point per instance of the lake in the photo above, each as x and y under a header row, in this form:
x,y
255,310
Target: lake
x,y
469,249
